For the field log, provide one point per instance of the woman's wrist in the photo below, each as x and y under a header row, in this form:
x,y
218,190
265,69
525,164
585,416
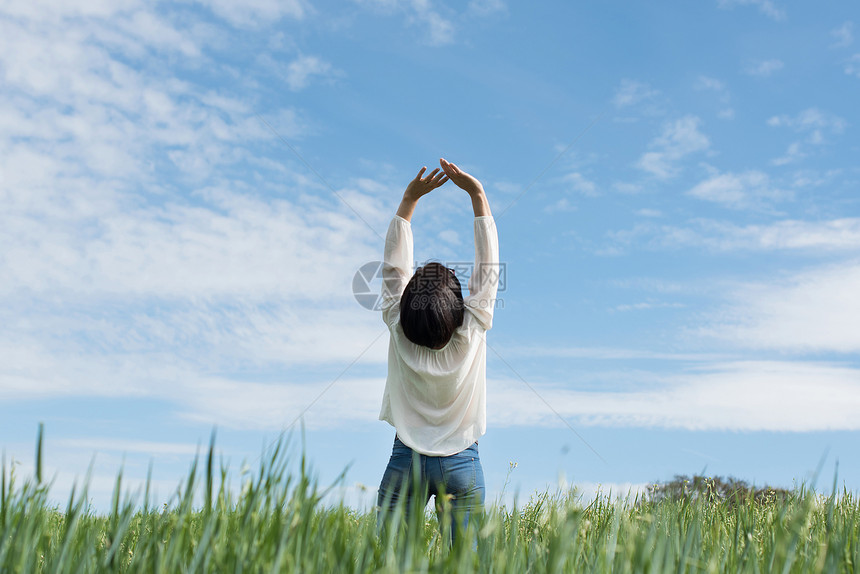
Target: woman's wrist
x,y
407,207
480,204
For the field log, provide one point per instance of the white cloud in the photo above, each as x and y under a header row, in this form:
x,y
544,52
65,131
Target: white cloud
x,y
709,83
438,30
764,68
836,235
813,178
256,12
52,10
562,205
302,69
810,119
831,235
815,123
739,396
580,184
738,190
843,35
172,365
450,236
746,395
817,310
249,405
852,66
615,353
234,245
631,92
485,8
647,305
793,154
679,139
627,187
766,7
135,263
135,446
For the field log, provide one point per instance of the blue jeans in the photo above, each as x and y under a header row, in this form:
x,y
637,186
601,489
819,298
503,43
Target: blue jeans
x,y
415,477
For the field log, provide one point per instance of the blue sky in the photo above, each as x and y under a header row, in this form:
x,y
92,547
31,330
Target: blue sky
x,y
188,190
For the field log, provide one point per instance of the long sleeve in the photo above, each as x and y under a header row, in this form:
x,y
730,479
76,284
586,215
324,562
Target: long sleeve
x,y
396,268
484,281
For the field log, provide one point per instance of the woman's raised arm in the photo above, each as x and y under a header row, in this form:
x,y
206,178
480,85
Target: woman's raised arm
x,y
484,280
417,188
470,185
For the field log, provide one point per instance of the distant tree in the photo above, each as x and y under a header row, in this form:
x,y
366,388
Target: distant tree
x,y
714,489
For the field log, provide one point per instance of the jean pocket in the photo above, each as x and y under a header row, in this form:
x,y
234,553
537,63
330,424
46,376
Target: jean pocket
x,y
460,473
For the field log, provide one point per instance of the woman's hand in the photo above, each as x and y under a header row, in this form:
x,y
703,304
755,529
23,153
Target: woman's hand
x,y
471,185
421,186
417,188
462,179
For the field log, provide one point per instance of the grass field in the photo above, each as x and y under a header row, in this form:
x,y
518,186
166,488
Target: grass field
x,y
278,523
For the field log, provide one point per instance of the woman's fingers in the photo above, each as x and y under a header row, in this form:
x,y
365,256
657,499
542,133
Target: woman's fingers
x,y
439,180
449,167
445,166
421,172
432,174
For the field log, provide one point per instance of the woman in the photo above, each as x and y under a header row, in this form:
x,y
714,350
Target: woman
x,y
435,394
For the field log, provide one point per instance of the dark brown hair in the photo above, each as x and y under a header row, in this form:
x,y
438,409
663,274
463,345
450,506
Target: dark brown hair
x,y
431,307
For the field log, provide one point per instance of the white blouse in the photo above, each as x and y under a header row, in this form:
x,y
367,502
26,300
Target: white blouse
x,y
436,399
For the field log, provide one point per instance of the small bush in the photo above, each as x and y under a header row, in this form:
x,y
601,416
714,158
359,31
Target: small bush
x,y
714,489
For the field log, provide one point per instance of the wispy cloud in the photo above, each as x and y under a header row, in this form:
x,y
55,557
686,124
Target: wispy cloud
x,y
135,262
679,139
776,396
96,444
852,65
749,189
814,123
766,7
612,353
632,92
793,153
580,184
810,119
834,236
438,30
263,406
763,68
485,8
816,310
647,306
707,83
843,36
256,12
742,396
300,71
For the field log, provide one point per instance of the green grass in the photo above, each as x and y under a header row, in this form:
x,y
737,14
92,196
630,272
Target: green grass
x,y
278,523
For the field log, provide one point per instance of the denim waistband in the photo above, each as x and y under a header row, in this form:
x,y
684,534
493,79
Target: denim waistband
x,y
474,445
